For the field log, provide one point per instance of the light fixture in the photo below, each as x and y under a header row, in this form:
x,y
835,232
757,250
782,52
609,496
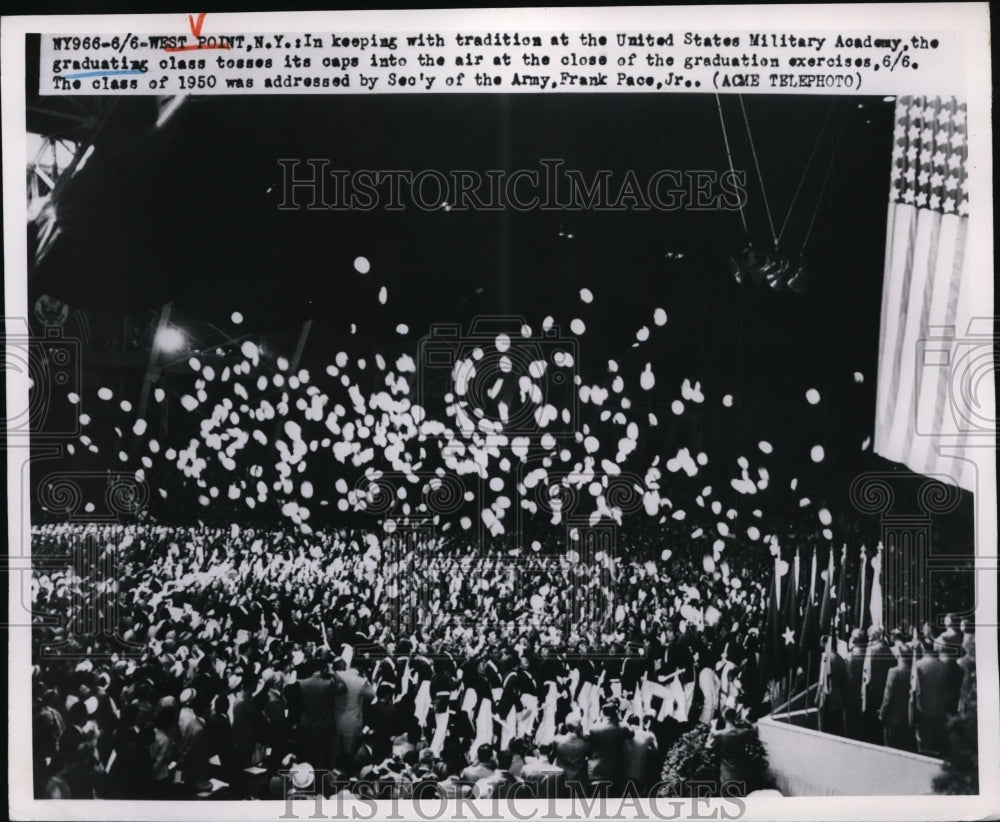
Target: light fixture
x,y
764,268
170,339
736,269
799,281
778,278
778,270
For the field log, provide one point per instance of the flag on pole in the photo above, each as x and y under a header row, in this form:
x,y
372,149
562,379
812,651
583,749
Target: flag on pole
x,y
927,297
828,602
840,595
825,684
776,550
809,640
790,631
771,656
860,589
875,607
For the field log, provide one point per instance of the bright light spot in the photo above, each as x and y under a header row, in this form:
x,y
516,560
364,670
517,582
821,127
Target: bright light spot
x,y
361,265
236,318
170,339
817,453
812,396
586,295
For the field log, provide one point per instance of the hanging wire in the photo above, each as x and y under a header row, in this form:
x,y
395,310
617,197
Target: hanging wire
x,y
729,154
760,177
826,178
822,131
777,235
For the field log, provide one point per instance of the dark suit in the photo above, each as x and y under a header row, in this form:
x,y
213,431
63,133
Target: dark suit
x,y
571,753
832,697
607,758
246,724
316,733
894,711
938,684
131,774
386,721
855,677
880,660
219,733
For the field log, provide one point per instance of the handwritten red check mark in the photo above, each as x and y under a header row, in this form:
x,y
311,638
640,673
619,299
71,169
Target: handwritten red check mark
x,y
196,24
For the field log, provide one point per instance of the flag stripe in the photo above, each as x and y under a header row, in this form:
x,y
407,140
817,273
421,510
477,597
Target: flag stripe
x,y
925,290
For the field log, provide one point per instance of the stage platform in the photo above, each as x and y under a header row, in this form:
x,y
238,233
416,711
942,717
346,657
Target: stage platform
x,y
806,762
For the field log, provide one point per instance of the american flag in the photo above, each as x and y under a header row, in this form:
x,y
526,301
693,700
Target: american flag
x,y
930,148
921,416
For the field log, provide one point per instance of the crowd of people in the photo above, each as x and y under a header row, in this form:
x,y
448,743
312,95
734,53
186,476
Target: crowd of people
x,y
898,689
235,662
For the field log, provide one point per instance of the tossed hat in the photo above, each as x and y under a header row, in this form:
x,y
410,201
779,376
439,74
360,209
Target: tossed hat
x,y
187,696
302,775
91,704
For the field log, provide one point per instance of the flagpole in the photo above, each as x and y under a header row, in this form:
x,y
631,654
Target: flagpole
x,y
808,678
863,573
788,700
793,606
